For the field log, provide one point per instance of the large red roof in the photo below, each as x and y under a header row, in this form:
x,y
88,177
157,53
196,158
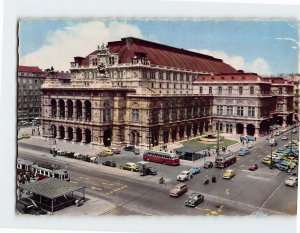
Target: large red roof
x,y
32,69
159,54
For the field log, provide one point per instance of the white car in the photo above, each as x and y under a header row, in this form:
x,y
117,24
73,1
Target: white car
x,y
184,175
284,137
291,181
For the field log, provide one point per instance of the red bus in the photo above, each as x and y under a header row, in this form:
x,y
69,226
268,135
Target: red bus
x,y
223,161
161,157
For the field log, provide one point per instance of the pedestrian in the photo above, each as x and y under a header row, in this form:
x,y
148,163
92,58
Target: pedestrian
x,y
255,139
241,139
243,142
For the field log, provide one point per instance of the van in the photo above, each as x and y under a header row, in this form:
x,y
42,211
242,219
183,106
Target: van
x,y
282,166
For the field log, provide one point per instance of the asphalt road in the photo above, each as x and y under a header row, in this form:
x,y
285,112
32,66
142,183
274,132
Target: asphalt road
x,y
262,190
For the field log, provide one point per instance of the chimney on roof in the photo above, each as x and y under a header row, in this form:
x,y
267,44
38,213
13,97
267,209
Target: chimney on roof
x,y
128,41
240,71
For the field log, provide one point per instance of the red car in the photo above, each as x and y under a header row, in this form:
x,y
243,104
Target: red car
x,y
116,150
253,167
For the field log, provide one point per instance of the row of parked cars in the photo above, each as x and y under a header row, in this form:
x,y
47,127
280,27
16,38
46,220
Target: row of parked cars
x,y
285,158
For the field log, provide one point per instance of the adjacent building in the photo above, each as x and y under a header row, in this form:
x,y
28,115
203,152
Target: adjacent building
x,y
30,79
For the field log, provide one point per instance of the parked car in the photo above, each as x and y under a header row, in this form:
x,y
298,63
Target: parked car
x,y
243,151
130,167
195,170
266,161
291,181
208,164
228,174
109,163
249,138
269,137
282,166
253,167
184,175
284,137
129,148
277,133
178,190
194,199
116,150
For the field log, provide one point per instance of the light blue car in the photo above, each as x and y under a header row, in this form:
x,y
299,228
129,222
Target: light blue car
x,y
195,170
243,151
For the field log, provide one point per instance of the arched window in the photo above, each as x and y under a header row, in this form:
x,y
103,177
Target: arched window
x,y
135,113
230,90
251,90
240,90
106,112
201,90
220,90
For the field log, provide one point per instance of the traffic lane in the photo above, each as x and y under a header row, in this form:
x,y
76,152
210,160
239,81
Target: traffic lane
x,y
247,188
283,199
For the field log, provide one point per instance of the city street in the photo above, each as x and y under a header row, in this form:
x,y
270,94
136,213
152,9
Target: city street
x,y
262,190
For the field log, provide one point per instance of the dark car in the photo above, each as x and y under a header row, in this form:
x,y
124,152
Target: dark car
x,y
129,148
208,164
109,163
194,199
149,171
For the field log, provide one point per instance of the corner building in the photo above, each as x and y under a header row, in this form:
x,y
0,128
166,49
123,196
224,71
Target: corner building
x,y
130,92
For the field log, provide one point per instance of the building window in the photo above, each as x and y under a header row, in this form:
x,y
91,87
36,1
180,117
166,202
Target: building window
x,y
201,90
174,114
251,111
280,90
135,115
161,75
152,85
144,74
240,90
160,85
240,111
154,116
168,76
210,90
219,90
188,113
229,110
152,74
166,116
219,110
251,90
181,77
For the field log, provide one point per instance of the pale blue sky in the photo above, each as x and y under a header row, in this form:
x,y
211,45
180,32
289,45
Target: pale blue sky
x,y
253,45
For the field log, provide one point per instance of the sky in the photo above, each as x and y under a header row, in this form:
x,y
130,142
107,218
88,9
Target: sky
x,y
266,47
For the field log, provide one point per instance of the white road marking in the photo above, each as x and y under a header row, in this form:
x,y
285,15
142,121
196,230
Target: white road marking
x,y
259,178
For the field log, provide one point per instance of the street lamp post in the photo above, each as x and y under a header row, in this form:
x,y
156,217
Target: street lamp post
x,y
271,164
291,141
218,143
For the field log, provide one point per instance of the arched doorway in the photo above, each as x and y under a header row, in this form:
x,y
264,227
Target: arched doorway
x,y
88,135
107,137
278,120
52,131
239,128
88,110
250,129
195,128
61,108
174,133
289,119
70,109
61,132
264,127
166,136
78,106
181,133
135,138
53,108
70,133
79,135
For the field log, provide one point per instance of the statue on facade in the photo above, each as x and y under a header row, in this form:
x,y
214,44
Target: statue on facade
x,y
51,72
102,69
